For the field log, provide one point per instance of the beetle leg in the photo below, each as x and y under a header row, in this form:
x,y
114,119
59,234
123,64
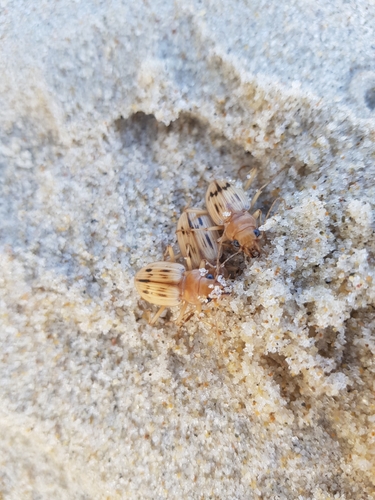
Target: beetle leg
x,y
182,312
169,251
256,214
157,315
231,256
248,183
218,256
203,264
196,211
281,200
257,194
188,259
212,228
221,240
252,175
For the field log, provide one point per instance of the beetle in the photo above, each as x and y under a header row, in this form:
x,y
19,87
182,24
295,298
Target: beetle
x,y
169,284
229,207
195,243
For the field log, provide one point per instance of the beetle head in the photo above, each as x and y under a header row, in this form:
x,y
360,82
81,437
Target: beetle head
x,y
249,242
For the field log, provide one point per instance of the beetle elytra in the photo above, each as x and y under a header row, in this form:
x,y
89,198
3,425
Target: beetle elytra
x,y
168,284
195,243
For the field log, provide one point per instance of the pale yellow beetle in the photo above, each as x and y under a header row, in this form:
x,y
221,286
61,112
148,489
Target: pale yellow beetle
x,y
169,284
229,207
195,243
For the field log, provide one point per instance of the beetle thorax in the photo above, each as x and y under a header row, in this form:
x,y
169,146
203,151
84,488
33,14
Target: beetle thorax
x,y
195,287
190,286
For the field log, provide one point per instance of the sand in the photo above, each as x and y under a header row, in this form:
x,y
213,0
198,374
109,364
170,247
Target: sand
x,y
115,116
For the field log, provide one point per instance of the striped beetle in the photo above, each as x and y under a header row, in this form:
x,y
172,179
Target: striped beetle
x,y
195,243
229,208
169,284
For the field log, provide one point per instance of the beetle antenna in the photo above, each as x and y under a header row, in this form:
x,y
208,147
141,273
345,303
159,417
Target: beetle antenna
x,y
273,204
230,257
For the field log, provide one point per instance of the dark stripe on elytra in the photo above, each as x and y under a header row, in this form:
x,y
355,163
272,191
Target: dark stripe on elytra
x,y
209,241
148,270
219,189
143,281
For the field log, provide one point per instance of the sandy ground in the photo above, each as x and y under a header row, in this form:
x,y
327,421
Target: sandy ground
x,y
113,117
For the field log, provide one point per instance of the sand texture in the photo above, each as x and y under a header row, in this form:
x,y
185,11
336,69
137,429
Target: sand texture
x,y
115,116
